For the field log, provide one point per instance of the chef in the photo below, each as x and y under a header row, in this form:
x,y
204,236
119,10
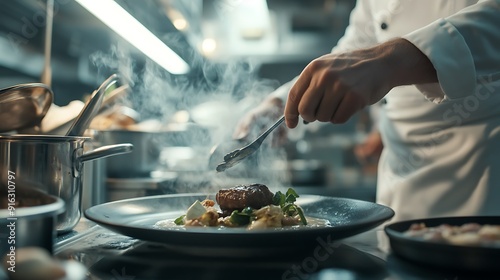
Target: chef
x,y
432,69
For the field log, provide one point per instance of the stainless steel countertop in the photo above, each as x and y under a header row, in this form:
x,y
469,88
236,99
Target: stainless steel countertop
x,y
109,255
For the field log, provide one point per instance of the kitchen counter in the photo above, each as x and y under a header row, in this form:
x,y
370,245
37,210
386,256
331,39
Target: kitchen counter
x,y
109,255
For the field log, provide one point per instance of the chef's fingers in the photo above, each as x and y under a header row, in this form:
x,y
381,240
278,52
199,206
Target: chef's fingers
x,y
294,97
310,102
349,105
329,103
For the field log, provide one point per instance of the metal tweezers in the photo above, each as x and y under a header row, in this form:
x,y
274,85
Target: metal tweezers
x,y
234,157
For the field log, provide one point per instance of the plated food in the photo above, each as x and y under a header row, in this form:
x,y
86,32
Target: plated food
x,y
250,206
473,234
446,243
136,217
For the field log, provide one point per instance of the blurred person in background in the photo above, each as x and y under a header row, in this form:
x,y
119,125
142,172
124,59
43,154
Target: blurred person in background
x,y
431,70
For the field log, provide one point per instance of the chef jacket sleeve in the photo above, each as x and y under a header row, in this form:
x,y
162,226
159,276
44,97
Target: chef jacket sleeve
x,y
361,30
463,49
358,35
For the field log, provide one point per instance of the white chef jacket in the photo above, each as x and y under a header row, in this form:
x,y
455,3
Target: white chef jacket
x,y
441,152
439,159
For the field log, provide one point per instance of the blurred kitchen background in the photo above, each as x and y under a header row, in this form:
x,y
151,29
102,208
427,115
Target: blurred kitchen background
x,y
230,54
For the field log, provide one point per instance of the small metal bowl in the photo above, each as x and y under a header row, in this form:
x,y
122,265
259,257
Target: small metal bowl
x,y
24,106
31,222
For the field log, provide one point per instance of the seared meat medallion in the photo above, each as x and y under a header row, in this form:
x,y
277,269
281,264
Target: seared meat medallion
x,y
236,198
251,206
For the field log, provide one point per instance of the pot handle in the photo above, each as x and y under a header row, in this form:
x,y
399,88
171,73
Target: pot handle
x,y
106,151
101,152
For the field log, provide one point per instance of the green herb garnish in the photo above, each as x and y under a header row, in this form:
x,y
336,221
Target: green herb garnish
x,y
242,218
180,221
279,199
287,203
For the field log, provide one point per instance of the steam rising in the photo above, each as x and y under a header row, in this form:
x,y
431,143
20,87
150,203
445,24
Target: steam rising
x,y
214,98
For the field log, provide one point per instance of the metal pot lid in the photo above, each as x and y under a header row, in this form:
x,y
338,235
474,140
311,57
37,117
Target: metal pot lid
x,y
42,138
24,106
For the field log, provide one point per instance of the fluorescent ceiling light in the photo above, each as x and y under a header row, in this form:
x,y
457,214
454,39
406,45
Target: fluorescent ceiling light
x,y
125,25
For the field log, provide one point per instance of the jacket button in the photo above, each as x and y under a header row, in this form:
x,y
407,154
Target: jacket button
x,y
383,26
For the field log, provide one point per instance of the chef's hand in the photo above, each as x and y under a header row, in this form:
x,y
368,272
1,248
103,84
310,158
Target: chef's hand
x,y
334,87
259,119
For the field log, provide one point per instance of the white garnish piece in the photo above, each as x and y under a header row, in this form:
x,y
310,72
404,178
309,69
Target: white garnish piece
x,y
195,211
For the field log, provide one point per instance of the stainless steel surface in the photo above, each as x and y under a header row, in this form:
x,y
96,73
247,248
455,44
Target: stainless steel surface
x,y
107,151
24,106
34,218
93,183
55,164
90,110
238,155
140,162
101,152
366,256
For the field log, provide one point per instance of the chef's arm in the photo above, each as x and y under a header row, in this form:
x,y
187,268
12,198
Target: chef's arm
x,y
334,87
463,48
359,34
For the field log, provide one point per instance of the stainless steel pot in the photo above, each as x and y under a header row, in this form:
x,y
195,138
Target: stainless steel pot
x,y
148,145
139,163
33,220
55,164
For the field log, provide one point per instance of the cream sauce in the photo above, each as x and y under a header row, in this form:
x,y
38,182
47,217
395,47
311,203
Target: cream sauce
x,y
169,224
